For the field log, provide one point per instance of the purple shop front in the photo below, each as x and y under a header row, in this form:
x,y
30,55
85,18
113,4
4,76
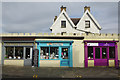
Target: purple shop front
x,y
101,52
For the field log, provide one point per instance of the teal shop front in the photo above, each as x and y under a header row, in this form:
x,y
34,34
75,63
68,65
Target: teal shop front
x,y
55,50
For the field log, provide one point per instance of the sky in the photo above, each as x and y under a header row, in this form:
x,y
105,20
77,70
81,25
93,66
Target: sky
x,y
37,17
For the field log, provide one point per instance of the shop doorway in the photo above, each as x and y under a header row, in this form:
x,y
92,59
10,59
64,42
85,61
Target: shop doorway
x,y
28,56
64,56
100,56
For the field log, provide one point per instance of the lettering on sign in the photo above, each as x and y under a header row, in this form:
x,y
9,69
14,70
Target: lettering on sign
x,y
55,44
92,44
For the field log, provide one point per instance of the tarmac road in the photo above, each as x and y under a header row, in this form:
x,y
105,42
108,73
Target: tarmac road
x,y
59,72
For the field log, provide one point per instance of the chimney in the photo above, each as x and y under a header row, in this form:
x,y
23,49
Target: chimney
x,y
86,7
63,8
55,18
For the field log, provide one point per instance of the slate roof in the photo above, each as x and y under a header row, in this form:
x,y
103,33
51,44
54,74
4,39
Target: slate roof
x,y
75,20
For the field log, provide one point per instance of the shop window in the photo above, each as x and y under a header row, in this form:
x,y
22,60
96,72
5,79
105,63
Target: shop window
x,y
64,54
97,53
63,24
90,52
44,53
9,52
104,53
54,53
18,53
27,53
112,52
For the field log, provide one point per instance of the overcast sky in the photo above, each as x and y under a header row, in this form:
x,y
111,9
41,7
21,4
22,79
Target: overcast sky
x,y
37,17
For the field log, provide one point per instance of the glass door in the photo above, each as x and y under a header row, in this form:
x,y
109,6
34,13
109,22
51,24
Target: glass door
x,y
64,56
100,56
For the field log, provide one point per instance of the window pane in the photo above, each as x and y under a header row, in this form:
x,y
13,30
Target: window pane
x,y
18,53
63,24
111,52
90,52
9,52
97,53
64,54
44,53
104,53
27,53
54,53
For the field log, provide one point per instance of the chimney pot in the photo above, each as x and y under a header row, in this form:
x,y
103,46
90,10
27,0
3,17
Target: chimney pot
x,y
55,18
63,8
86,7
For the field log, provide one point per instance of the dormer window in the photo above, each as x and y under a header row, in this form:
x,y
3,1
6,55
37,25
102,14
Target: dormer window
x,y
63,24
87,24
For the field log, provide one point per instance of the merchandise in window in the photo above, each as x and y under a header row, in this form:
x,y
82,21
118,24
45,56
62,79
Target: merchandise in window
x,y
44,53
9,52
112,52
18,53
90,52
54,53
64,54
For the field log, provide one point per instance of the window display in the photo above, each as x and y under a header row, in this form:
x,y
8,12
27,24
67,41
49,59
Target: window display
x,y
111,52
54,53
14,53
18,53
64,54
49,53
44,53
90,52
9,52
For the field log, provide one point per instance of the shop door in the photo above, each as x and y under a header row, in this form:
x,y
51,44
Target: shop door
x,y
28,56
100,56
64,56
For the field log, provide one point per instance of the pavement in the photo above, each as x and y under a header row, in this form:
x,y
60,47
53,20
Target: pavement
x,y
59,72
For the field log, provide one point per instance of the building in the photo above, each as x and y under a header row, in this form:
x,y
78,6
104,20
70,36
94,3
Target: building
x,y
56,50
86,24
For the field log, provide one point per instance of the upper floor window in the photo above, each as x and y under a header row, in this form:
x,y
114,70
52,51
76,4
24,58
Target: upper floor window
x,y
63,24
87,24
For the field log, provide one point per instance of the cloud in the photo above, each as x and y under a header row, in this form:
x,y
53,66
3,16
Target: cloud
x,y
38,16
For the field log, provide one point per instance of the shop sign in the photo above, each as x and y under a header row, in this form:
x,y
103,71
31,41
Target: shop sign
x,y
55,44
18,44
92,44
106,44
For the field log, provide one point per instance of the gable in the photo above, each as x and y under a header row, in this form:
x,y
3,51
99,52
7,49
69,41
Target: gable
x,y
63,13
85,16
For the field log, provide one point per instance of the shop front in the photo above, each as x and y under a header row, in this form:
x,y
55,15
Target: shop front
x,y
101,53
55,53
17,53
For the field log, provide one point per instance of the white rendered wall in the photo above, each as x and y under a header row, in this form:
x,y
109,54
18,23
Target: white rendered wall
x,y
57,27
93,28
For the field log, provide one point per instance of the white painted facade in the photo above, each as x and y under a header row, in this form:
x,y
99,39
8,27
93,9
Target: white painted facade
x,y
72,28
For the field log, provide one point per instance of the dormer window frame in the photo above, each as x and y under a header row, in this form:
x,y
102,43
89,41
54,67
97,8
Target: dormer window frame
x,y
87,23
63,24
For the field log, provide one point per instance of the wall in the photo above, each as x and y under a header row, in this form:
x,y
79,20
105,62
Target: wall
x,y
14,62
78,53
81,25
49,63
